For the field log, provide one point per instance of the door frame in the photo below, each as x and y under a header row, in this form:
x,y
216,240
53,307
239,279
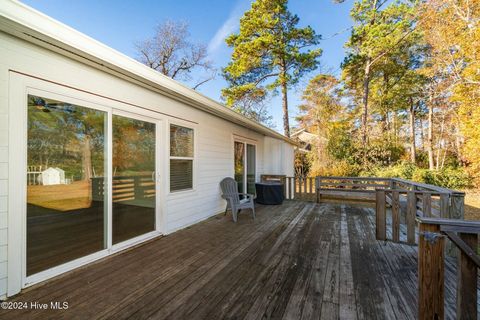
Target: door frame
x,y
159,223
20,86
245,142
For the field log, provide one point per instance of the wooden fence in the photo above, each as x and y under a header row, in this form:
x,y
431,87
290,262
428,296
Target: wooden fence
x,y
33,173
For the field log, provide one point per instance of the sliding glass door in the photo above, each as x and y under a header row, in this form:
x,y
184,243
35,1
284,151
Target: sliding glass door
x,y
75,210
134,178
245,166
66,175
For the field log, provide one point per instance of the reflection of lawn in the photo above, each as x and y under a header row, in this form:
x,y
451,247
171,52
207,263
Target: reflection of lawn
x,y
472,205
61,197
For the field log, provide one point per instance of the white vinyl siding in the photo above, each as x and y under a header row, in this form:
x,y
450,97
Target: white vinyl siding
x,y
3,174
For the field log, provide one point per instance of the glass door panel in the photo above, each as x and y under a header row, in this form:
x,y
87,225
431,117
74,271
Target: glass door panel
x,y
134,178
250,169
66,202
239,153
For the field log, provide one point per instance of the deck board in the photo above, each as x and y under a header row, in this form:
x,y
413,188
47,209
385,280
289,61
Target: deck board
x,y
295,261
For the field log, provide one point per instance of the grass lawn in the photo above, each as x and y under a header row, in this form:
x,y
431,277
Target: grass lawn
x,y
61,197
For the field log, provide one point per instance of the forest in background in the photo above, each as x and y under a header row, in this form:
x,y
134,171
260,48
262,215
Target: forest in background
x,y
406,103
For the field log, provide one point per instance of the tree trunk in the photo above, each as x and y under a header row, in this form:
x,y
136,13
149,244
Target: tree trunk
x,y
431,165
413,152
366,91
395,129
87,159
422,136
441,141
286,124
384,120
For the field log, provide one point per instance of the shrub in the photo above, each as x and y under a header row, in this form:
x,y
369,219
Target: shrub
x,y
452,178
338,169
403,170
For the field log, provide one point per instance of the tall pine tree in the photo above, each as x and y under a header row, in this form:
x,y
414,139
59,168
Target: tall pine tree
x,y
378,35
269,52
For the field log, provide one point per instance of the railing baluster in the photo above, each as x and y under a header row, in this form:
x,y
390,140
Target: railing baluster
x,y
318,181
381,231
305,186
467,280
292,188
427,205
396,216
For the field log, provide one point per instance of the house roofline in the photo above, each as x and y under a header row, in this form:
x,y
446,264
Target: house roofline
x,y
33,26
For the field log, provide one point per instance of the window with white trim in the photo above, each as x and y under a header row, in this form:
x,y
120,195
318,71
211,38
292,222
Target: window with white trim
x,y
181,158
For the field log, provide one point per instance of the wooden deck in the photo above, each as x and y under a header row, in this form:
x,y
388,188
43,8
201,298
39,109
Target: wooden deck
x,y
296,261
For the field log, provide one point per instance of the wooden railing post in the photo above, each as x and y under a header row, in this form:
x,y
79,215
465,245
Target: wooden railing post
x,y
456,210
467,281
411,214
380,216
431,284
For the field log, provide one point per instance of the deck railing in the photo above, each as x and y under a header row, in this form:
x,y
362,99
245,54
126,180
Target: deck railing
x,y
444,202
125,188
431,264
437,213
412,203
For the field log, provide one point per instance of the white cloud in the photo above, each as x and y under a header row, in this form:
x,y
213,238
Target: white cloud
x,y
229,26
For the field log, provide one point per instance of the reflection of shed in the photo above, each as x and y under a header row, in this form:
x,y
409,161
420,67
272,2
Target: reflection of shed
x,y
62,175
52,176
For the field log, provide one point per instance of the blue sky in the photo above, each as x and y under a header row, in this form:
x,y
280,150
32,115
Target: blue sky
x,y
119,24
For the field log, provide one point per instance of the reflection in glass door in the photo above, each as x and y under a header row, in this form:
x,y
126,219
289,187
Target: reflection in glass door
x,y
245,167
66,205
251,169
239,153
134,178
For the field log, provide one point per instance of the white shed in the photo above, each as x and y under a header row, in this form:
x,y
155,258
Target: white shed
x,y
52,176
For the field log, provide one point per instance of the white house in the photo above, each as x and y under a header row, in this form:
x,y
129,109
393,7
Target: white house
x,y
50,71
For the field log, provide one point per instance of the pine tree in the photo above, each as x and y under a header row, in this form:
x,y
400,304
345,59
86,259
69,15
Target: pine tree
x,y
379,36
269,52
